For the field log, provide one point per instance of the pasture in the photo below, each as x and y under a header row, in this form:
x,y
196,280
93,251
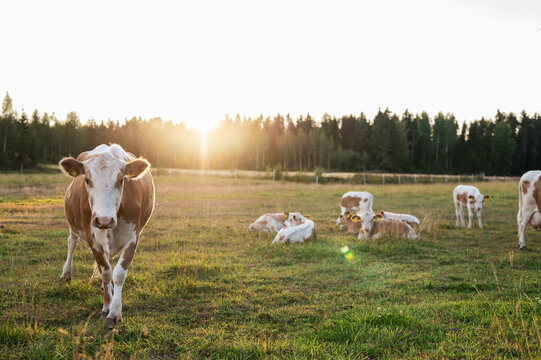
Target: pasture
x,y
202,286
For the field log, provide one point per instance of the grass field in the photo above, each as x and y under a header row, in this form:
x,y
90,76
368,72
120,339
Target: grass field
x,y
201,286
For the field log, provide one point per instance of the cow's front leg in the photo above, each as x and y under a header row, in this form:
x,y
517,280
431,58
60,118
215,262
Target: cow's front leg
x,y
470,215
100,250
119,276
66,270
479,219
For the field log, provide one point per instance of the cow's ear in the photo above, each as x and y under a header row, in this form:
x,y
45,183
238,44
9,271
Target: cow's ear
x,y
378,217
137,168
286,214
72,167
486,197
355,218
348,215
294,217
472,199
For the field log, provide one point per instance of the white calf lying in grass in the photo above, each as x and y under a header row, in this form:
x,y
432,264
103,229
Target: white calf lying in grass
x,y
410,219
298,229
375,226
269,222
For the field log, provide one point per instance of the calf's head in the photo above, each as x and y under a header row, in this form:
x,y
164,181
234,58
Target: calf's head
x,y
104,176
477,201
293,219
367,218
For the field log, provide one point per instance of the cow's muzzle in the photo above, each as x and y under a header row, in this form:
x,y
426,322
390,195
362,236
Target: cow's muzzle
x,y
104,222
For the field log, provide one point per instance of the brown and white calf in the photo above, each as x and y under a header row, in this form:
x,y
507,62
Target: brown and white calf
x,y
298,229
354,227
466,196
529,202
269,222
375,226
107,204
355,202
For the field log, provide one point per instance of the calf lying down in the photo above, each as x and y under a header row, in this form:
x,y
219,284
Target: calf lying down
x,y
270,222
298,229
375,226
354,227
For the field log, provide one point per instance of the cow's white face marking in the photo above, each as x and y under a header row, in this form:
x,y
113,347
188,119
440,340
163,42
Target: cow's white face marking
x,y
477,201
104,181
367,218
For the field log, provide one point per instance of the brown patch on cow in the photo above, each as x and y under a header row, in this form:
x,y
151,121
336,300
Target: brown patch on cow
x,y
536,193
282,237
462,197
137,201
128,255
350,202
278,217
525,186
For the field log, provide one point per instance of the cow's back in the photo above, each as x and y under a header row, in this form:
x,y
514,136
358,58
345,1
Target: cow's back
x,y
530,186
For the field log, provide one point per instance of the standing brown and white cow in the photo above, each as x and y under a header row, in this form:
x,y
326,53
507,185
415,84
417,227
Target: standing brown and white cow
x,y
108,204
529,203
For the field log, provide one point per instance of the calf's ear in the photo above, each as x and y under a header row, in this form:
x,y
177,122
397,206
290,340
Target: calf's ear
x,y
355,218
472,199
348,215
378,217
72,167
486,197
137,168
286,214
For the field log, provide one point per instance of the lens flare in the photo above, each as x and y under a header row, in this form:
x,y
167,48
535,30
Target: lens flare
x,y
347,253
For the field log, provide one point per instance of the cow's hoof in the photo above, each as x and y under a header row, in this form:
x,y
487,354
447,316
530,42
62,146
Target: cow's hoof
x,y
113,322
104,313
524,248
66,278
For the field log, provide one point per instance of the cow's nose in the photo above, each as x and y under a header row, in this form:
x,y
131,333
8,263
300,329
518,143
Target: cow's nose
x,y
104,222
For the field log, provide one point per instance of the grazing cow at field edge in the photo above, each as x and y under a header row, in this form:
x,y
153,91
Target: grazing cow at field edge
x,y
529,202
107,204
298,229
269,222
471,198
375,226
355,202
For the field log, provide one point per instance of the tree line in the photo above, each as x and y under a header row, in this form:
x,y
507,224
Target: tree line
x,y
509,144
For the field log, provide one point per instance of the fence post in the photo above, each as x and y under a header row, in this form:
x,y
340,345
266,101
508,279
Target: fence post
x,y
415,178
273,174
382,179
398,179
432,178
235,174
445,178
471,177
364,179
21,169
316,178
458,178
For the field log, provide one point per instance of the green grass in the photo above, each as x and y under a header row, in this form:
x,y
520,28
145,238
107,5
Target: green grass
x,y
201,286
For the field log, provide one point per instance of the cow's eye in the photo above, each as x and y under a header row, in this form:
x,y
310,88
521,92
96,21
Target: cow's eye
x,y
87,180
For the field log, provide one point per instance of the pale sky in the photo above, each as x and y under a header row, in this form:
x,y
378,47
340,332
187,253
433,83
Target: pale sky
x,y
196,61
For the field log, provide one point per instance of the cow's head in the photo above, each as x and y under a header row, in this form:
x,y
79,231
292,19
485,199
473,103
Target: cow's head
x,y
477,201
104,176
367,218
294,219
343,218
